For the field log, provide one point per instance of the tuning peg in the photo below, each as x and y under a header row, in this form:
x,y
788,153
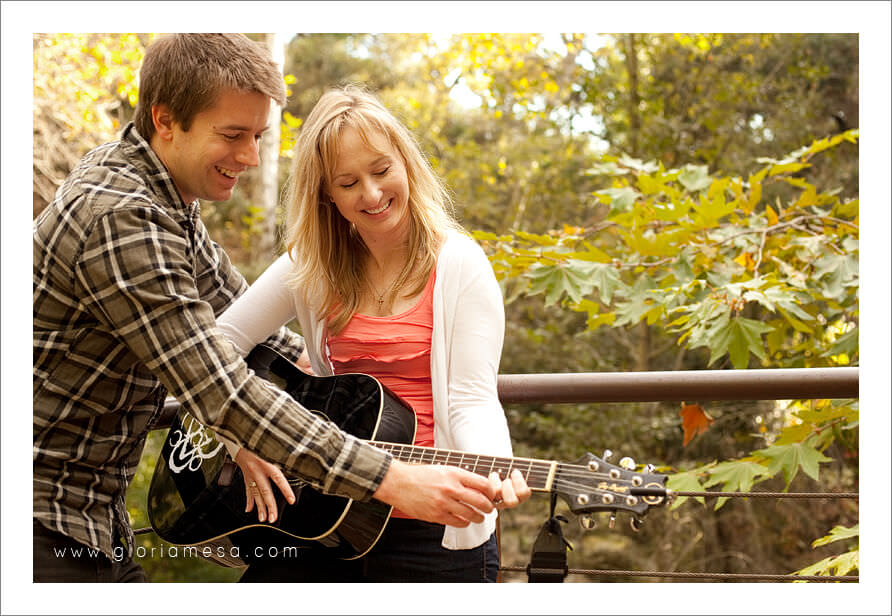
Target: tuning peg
x,y
606,455
649,468
636,523
587,522
627,463
612,523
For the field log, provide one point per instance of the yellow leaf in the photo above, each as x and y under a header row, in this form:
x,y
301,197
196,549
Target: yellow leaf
x,y
809,197
745,260
755,195
771,214
787,168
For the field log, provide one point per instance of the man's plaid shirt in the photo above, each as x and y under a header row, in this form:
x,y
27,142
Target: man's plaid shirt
x,y
127,284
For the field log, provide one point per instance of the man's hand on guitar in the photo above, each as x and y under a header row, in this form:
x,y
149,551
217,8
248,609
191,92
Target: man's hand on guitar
x,y
258,489
447,494
509,492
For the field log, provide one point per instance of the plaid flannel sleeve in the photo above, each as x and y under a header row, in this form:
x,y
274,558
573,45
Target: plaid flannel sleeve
x,y
220,283
137,275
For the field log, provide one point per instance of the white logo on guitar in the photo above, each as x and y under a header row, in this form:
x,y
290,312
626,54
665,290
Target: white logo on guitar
x,y
189,448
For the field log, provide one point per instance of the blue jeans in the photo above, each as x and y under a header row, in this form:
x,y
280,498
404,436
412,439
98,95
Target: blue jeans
x,y
408,551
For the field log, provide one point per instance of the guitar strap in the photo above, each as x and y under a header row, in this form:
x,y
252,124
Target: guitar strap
x,y
548,561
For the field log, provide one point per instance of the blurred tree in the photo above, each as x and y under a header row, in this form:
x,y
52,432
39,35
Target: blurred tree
x,y
85,88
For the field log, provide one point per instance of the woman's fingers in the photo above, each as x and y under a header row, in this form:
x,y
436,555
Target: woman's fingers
x,y
249,498
259,479
282,483
266,499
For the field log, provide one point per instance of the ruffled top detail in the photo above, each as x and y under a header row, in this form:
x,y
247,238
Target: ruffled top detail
x,y
396,350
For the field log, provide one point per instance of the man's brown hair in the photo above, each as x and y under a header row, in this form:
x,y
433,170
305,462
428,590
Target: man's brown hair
x,y
186,72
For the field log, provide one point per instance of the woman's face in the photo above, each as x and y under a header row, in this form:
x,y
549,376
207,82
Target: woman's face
x,y
370,187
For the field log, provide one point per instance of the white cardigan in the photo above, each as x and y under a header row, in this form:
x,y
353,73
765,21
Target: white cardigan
x,y
466,346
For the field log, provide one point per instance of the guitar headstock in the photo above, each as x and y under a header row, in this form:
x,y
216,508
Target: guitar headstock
x,y
592,484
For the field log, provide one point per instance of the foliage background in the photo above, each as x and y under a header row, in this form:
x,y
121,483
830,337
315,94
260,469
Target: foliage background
x,y
525,162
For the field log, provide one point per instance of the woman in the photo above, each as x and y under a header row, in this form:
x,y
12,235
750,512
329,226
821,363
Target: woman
x,y
383,281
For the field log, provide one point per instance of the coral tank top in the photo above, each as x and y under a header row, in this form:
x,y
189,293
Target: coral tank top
x,y
397,351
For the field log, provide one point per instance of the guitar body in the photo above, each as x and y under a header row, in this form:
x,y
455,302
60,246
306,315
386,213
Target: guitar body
x,y
197,494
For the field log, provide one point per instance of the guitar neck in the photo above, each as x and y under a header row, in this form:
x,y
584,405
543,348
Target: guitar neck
x,y
539,474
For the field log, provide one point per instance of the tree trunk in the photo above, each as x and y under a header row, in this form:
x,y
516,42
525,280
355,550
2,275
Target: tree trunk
x,y
634,98
266,247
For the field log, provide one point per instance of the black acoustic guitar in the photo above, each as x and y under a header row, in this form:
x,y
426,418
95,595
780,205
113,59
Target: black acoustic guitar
x,y
197,495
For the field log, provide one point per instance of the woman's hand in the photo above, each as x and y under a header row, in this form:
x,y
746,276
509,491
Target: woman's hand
x,y
259,474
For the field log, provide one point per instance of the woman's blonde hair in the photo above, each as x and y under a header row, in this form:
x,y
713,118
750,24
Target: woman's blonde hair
x,y
329,255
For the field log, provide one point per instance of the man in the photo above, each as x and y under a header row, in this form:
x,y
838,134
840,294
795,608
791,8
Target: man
x,y
127,284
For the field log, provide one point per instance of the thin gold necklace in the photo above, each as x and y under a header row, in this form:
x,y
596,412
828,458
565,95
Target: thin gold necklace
x,y
379,297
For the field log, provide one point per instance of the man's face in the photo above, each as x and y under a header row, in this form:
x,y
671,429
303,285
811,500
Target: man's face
x,y
222,142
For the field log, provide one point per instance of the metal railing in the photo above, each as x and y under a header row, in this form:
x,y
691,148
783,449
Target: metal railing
x,y
663,386
698,385
690,385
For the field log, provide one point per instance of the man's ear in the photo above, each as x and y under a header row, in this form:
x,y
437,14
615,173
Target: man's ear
x,y
163,120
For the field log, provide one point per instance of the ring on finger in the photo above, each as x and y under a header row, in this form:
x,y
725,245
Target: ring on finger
x,y
253,484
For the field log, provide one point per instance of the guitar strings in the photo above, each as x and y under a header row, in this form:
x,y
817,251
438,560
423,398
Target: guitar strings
x,y
566,476
422,455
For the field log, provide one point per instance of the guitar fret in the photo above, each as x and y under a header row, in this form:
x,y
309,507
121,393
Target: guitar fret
x,y
539,474
473,468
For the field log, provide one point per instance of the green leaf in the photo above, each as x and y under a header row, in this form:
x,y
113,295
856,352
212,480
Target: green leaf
x,y
606,168
817,417
638,302
840,270
636,164
606,280
738,337
833,565
542,240
621,199
695,177
798,325
789,458
847,343
572,277
735,476
746,338
685,482
837,533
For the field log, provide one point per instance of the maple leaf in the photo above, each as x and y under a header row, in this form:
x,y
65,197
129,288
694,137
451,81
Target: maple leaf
x,y
790,458
735,476
694,421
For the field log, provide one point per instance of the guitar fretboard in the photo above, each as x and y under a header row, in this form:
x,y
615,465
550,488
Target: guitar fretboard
x,y
539,474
